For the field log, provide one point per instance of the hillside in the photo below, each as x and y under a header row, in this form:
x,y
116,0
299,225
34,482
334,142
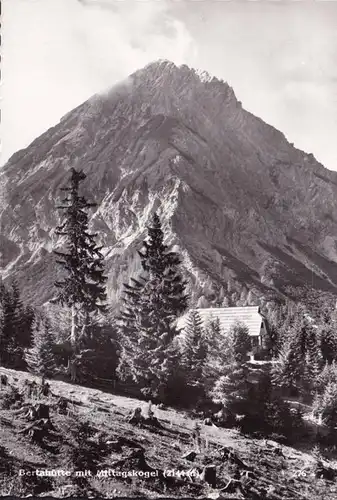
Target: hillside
x,y
275,471
238,200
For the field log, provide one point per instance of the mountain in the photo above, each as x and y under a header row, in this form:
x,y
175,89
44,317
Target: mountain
x,y
247,210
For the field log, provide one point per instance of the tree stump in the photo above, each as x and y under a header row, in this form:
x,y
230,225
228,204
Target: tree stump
x,y
325,472
30,388
72,370
152,421
38,430
44,389
136,460
3,380
190,455
196,436
37,412
209,475
136,417
62,405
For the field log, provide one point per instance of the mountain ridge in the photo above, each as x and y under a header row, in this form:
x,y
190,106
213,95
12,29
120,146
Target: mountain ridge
x,y
237,199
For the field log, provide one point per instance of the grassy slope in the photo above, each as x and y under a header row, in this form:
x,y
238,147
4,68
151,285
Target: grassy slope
x,y
277,475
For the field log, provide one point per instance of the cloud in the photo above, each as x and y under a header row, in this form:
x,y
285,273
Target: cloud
x,y
57,53
280,58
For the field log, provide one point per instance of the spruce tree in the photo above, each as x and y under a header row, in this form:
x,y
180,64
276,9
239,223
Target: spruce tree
x,y
219,353
232,388
312,365
127,327
325,405
241,342
15,327
272,340
40,358
156,333
287,372
328,342
161,263
151,306
83,288
194,350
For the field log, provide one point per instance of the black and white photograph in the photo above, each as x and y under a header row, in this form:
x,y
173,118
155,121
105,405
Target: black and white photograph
x,y
168,249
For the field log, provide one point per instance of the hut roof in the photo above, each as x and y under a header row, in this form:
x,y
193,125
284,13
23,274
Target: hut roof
x,y
228,316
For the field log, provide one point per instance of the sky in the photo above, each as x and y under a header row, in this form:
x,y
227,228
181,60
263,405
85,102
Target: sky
x,y
280,56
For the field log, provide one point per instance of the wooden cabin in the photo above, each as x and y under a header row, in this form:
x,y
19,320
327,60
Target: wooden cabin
x,y
228,316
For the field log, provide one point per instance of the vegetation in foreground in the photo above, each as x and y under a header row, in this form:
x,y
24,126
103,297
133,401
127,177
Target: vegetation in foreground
x,y
83,429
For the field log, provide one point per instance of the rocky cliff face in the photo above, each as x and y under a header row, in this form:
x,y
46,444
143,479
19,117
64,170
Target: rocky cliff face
x,y
241,203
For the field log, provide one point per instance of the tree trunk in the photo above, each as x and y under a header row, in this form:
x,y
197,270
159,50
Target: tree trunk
x,y
72,371
86,322
74,325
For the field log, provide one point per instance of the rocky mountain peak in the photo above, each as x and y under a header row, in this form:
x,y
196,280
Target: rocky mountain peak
x,y
238,201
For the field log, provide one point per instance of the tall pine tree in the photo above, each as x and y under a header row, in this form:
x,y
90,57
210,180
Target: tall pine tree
x,y
161,263
83,288
147,320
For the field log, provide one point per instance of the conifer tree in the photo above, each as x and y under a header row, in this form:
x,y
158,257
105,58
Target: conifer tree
x,y
312,365
299,359
152,304
325,405
272,340
328,342
156,333
159,262
241,342
287,373
219,353
232,388
268,412
127,327
194,350
15,328
40,358
83,288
